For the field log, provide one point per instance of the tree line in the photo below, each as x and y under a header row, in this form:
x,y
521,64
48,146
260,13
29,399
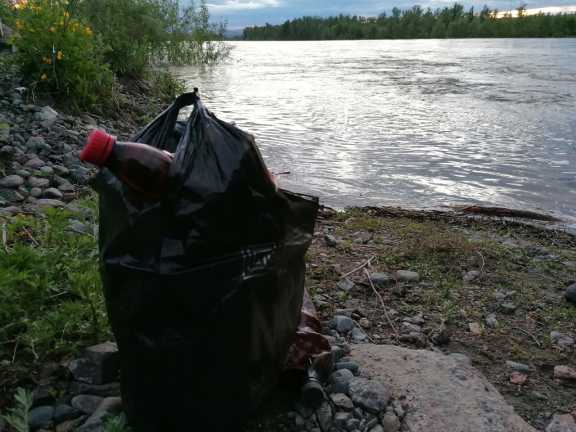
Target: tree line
x,y
418,23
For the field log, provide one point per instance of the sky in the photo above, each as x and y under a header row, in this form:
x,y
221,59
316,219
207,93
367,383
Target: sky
x,y
243,13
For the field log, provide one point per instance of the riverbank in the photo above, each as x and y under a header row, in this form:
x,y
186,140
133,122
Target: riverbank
x,y
493,290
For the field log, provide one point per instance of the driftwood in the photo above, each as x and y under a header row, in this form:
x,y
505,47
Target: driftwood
x,y
506,212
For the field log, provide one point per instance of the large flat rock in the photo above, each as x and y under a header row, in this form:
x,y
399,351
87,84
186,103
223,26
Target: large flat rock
x,y
445,393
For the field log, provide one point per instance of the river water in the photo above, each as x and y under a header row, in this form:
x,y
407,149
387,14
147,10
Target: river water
x,y
419,123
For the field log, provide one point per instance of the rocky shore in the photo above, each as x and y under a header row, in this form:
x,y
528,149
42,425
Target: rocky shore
x,y
438,322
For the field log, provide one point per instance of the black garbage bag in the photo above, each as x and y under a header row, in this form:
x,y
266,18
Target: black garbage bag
x,y
203,288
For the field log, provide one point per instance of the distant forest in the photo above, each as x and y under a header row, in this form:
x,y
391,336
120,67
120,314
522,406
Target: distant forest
x,y
417,23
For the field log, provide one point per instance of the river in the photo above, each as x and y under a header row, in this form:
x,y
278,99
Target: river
x,y
417,123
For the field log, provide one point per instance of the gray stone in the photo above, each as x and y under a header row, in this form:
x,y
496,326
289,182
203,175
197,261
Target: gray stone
x,y
382,279
47,116
38,182
345,285
47,170
331,240
416,338
371,396
340,381
36,192
562,340
508,308
86,403
407,276
502,295
23,173
66,187
337,353
565,374
324,414
53,193
365,323
12,181
35,163
342,402
416,319
63,413
491,321
570,294
358,335
108,407
50,203
445,394
377,428
409,327
36,143
353,424
341,419
40,417
80,175
562,423
371,423
350,365
471,276
518,367
61,170
104,390
6,152
342,324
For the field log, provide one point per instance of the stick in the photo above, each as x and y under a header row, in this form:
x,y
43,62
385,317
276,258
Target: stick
x,y
383,305
363,331
366,264
536,341
5,238
483,261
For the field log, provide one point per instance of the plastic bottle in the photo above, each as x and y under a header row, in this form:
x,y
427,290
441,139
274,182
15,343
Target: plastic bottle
x,y
142,167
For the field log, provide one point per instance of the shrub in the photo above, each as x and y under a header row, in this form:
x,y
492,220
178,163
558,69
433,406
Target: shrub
x,y
59,53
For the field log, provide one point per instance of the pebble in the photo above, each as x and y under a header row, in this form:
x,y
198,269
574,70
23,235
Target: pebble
x,y
350,365
562,423
86,403
508,308
50,203
358,335
518,367
570,294
35,142
342,402
340,381
565,373
53,193
38,182
368,395
409,327
382,279
417,319
345,285
343,324
35,163
391,422
561,339
491,321
331,240
378,428
407,276
40,417
353,424
47,170
476,329
471,276
36,192
341,419
63,413
365,323
12,181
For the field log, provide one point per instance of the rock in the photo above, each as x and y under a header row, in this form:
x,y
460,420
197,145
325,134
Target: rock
x,y
350,365
508,308
47,170
353,424
570,294
377,428
341,419
565,374
518,378
518,367
38,182
371,396
345,285
53,193
4,132
358,335
471,276
382,279
104,390
70,425
108,407
7,152
365,323
35,143
86,403
12,181
63,413
491,321
407,276
502,295
408,327
445,394
418,339
416,319
391,422
331,240
50,203
342,402
61,170
342,324
40,417
562,423
47,116
476,329
340,381
34,163
562,340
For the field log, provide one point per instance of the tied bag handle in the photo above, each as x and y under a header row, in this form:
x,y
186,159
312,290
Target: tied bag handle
x,y
160,131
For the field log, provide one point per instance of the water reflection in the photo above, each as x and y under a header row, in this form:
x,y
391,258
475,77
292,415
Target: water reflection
x,y
417,123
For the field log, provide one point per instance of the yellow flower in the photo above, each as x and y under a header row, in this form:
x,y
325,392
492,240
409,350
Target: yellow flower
x,y
47,60
67,14
59,55
19,25
44,77
88,31
51,29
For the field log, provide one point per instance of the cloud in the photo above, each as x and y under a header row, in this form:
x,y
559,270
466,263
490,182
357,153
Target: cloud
x,y
241,5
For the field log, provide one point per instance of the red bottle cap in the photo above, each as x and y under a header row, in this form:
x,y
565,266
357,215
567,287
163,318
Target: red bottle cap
x,y
98,147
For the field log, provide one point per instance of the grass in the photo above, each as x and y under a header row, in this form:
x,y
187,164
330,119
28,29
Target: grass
x,y
49,286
